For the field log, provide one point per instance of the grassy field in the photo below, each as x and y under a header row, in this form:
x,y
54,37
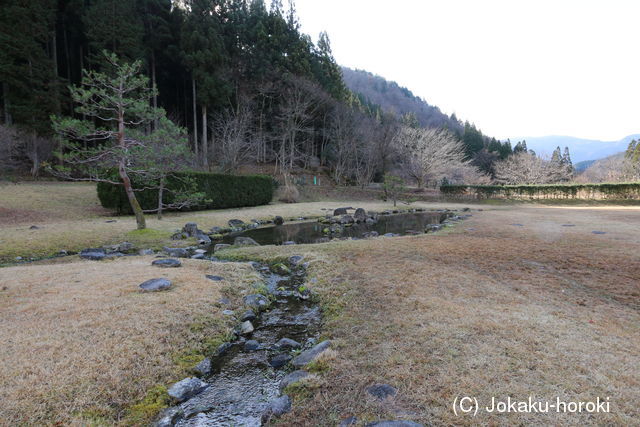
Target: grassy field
x,y
511,302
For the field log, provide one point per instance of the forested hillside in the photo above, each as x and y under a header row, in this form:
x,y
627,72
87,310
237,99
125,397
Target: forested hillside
x,y
239,76
392,97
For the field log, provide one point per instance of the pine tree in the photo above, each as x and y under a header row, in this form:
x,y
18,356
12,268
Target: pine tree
x,y
120,100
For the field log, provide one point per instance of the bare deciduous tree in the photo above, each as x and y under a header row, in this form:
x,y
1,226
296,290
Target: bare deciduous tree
x,y
528,168
236,137
427,154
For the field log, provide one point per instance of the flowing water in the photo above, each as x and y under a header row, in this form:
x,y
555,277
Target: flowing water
x,y
244,382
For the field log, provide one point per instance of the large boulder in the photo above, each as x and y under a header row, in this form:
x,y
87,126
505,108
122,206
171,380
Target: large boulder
x,y
278,220
155,285
285,343
360,215
310,355
203,239
279,360
244,241
187,388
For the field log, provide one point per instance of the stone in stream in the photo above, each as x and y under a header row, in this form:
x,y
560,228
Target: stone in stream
x,y
220,246
347,219
176,252
214,278
308,356
252,345
166,263
293,377
248,315
382,391
360,215
187,388
394,423
203,239
191,229
204,367
276,408
155,285
280,360
169,417
288,243
223,348
288,343
93,254
281,269
340,211
278,220
235,223
295,259
258,301
246,328
598,232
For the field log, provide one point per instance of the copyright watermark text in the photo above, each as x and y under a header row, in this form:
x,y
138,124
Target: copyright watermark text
x,y
469,405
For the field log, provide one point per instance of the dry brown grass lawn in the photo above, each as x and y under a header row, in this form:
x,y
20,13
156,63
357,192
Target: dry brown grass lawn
x,y
488,309
70,218
80,344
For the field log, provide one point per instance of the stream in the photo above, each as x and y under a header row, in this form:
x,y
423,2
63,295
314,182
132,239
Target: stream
x,y
243,381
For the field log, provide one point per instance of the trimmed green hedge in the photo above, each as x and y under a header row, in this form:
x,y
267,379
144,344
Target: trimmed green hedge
x,y
222,191
616,191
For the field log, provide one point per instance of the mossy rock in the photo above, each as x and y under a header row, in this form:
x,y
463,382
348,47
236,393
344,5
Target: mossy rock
x,y
281,269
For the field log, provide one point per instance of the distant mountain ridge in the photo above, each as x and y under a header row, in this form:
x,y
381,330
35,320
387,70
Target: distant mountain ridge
x,y
392,97
581,149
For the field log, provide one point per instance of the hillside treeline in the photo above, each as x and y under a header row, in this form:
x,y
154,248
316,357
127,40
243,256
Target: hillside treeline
x,y
239,75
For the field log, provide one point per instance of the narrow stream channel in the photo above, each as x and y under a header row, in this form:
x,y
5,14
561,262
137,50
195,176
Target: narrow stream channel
x,y
244,380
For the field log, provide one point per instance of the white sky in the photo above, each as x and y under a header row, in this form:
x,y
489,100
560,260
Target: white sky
x,y
513,67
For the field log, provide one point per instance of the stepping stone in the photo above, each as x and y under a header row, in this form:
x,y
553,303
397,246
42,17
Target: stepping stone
x,y
214,278
395,423
167,263
599,232
517,225
155,285
568,225
94,254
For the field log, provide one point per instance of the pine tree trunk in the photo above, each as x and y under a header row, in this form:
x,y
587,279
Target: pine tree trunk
x,y
126,181
195,117
205,144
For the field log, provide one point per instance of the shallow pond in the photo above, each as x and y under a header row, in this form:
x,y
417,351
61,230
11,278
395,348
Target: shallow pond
x,y
312,231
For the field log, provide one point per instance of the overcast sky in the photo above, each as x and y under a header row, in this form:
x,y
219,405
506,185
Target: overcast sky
x,y
514,68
